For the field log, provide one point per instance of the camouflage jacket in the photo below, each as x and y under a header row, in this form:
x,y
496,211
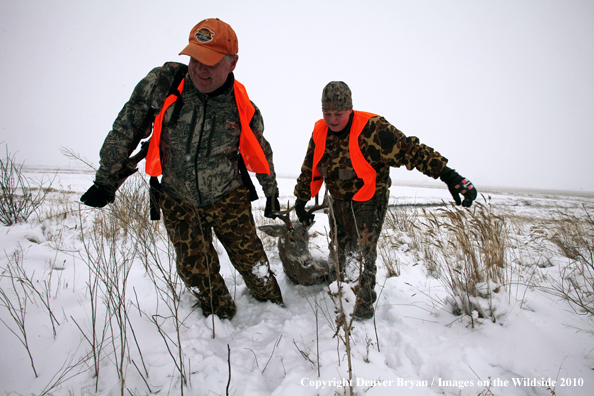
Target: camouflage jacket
x,y
199,147
382,145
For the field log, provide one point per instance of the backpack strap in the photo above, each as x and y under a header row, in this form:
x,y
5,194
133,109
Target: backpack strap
x,y
178,77
155,185
174,84
247,180
149,118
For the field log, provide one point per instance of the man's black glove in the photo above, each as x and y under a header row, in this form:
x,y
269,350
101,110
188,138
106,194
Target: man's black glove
x,y
269,211
304,217
98,196
459,185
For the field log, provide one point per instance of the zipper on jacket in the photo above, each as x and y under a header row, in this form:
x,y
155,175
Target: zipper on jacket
x,y
198,150
209,141
191,135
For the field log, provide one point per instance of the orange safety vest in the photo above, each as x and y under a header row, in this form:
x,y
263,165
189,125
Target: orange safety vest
x,y
249,147
363,169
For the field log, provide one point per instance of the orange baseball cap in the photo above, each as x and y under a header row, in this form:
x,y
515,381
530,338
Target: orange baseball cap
x,y
210,41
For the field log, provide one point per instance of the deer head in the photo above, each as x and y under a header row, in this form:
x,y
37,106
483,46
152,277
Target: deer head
x,y
293,248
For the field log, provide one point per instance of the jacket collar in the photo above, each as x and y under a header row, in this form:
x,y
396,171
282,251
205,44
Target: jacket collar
x,y
220,92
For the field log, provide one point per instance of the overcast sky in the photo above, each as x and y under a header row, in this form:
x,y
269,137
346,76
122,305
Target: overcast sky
x,y
503,88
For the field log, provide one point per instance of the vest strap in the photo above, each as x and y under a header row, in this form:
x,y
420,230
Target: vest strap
x,y
363,169
249,147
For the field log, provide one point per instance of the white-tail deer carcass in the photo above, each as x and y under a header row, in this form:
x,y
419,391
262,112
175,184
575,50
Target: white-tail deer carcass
x,y
293,249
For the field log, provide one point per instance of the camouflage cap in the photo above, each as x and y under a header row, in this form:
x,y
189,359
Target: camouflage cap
x,y
336,97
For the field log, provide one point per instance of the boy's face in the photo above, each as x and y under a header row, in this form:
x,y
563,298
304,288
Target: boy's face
x,y
337,120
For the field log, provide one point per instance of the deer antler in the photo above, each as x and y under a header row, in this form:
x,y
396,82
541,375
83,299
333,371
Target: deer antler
x,y
317,206
285,215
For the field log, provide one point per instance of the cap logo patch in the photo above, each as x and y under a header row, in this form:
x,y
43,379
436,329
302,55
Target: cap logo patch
x,y
204,35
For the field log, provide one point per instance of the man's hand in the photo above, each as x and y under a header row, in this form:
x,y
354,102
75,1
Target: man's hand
x,y
269,211
304,217
98,196
459,185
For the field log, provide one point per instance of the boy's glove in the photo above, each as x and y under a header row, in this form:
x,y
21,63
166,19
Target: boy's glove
x,y
98,196
304,217
269,210
459,185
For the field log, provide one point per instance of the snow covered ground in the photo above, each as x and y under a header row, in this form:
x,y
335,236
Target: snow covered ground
x,y
538,345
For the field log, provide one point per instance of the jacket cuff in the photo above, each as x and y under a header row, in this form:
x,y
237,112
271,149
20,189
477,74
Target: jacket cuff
x,y
299,202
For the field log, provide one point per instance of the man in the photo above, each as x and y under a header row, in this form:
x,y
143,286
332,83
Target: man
x,y
203,139
352,152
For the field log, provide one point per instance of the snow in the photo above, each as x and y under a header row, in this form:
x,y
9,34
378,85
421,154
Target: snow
x,y
416,346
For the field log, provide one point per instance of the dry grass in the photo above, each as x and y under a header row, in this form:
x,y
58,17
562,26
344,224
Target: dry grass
x,y
20,196
572,236
386,249
483,254
466,250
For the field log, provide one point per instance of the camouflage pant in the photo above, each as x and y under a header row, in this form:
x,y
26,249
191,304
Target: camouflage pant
x,y
191,229
354,240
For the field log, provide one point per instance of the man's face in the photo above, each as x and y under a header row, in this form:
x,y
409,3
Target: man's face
x,y
337,120
207,79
